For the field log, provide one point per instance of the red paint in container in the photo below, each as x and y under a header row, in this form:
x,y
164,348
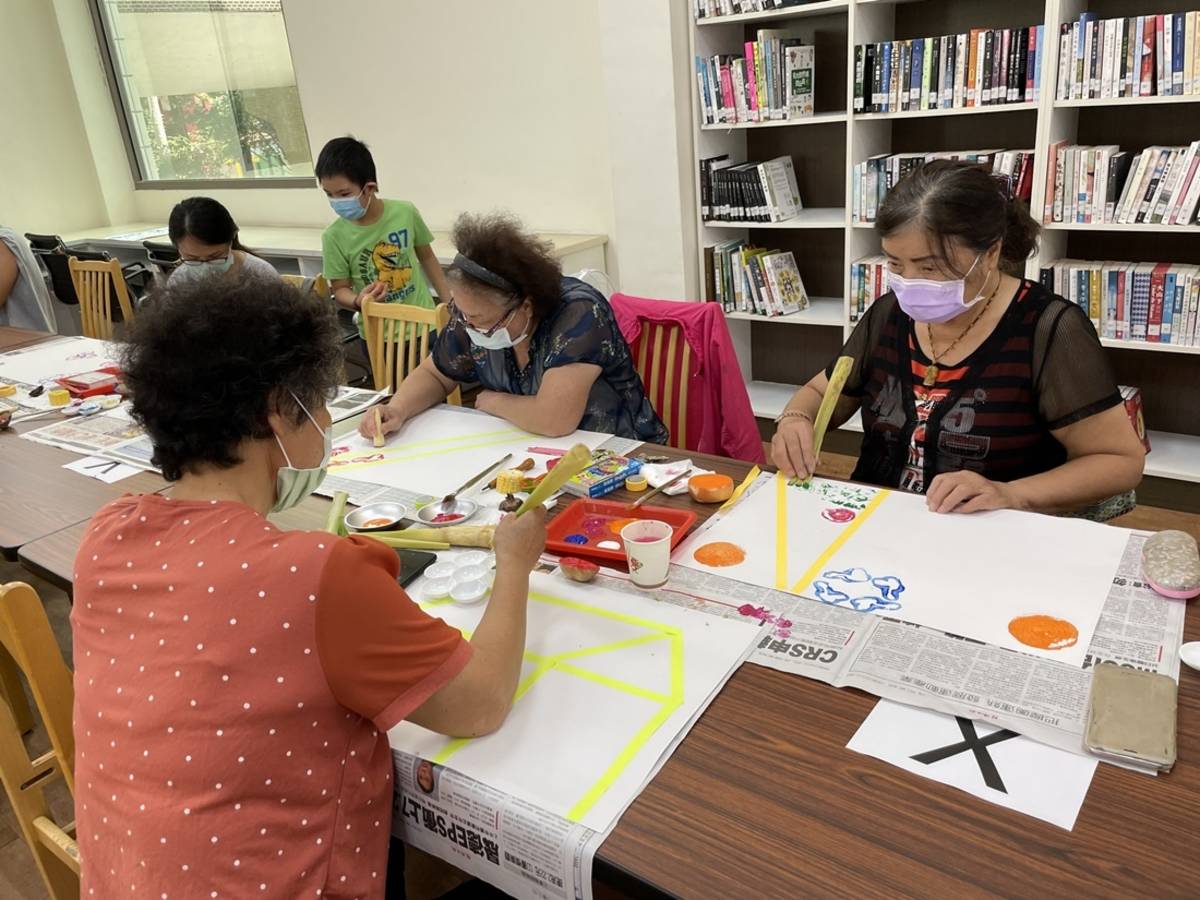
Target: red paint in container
x,y
444,518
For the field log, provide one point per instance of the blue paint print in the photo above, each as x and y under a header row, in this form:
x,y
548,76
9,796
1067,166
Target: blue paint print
x,y
859,590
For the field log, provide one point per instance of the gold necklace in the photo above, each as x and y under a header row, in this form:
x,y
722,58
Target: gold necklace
x,y
932,370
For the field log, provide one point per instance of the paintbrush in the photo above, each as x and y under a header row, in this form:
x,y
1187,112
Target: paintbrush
x,y
658,490
841,371
572,463
453,495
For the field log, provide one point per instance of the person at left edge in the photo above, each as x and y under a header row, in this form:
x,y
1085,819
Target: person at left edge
x,y
378,249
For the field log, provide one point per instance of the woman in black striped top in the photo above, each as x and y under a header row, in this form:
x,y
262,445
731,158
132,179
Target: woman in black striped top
x,y
979,389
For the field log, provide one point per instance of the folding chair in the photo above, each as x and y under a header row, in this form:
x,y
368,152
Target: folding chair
x,y
25,634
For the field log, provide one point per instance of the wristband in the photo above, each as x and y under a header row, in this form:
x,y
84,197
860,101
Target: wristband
x,y
792,414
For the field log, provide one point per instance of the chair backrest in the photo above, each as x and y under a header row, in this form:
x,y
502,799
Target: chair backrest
x,y
25,635
54,254
96,282
663,359
162,255
315,283
399,336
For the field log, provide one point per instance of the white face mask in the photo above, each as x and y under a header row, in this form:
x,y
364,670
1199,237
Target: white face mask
x,y
498,340
291,484
198,268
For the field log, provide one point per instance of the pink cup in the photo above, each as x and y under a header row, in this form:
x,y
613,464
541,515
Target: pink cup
x,y
648,551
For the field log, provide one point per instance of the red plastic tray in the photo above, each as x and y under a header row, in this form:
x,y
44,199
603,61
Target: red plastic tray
x,y
591,518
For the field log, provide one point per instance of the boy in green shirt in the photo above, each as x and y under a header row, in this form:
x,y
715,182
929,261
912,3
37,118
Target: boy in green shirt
x,y
373,248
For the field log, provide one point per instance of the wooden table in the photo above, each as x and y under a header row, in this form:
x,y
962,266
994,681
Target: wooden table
x,y
14,338
763,799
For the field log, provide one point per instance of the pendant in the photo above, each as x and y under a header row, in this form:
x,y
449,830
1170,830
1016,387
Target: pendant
x,y
931,374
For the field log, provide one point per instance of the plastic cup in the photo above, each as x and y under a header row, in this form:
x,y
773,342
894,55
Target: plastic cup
x,y
648,551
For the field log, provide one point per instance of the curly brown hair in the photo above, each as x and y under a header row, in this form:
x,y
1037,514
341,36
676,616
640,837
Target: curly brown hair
x,y
498,242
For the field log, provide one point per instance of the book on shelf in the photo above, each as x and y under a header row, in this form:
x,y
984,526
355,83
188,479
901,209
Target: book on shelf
x,y
875,176
982,67
749,279
1158,303
1107,185
772,80
750,191
868,282
1155,55
715,9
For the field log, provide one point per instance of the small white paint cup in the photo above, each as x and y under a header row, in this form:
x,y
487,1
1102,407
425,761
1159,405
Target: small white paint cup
x,y
648,551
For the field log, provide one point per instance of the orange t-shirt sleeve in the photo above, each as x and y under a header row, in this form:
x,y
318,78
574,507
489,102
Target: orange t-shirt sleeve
x,y
382,655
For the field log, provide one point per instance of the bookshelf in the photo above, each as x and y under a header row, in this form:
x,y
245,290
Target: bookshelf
x,y
825,148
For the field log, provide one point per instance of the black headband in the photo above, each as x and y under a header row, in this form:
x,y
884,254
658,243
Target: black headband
x,y
484,274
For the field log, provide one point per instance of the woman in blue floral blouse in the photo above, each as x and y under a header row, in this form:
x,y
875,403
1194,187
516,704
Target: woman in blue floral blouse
x,y
545,348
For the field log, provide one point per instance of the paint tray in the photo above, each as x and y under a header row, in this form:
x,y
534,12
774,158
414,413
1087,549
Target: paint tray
x,y
592,519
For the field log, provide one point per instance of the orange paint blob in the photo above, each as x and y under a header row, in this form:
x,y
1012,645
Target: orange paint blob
x,y
720,553
1044,632
616,525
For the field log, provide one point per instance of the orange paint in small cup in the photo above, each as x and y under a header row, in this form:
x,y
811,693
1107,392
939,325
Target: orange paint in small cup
x,y
1044,632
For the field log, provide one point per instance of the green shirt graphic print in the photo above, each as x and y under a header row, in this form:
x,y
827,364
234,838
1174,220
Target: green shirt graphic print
x,y
384,251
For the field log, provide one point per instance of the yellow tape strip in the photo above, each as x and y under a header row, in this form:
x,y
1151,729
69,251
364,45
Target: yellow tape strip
x,y
616,684
781,549
819,563
740,489
605,648
510,436
606,614
613,772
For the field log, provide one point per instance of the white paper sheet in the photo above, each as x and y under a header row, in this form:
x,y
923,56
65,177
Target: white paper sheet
x,y
42,364
441,448
103,469
993,764
884,552
609,683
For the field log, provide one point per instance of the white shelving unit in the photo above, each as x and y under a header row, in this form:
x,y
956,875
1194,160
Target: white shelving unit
x,y
1039,123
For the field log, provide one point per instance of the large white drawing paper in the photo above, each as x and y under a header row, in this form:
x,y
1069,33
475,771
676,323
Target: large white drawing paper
x,y
610,683
995,765
441,448
42,363
1027,582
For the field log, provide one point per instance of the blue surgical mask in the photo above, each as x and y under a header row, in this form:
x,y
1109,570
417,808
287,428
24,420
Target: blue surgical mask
x,y
348,207
500,339
197,268
292,485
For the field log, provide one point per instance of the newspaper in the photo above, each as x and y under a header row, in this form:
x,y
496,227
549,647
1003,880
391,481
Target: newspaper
x,y
1041,699
513,845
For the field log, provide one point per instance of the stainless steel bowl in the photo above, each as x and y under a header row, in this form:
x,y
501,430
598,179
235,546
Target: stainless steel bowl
x,y
356,520
460,509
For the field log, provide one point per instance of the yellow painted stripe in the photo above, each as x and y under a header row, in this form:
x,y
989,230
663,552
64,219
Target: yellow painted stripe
x,y
606,614
440,451
822,560
740,489
781,548
624,687
605,648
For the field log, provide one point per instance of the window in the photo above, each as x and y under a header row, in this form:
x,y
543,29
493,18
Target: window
x,y
206,91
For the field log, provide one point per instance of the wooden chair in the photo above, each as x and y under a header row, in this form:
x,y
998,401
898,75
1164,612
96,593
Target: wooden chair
x,y
395,350
663,359
96,281
25,634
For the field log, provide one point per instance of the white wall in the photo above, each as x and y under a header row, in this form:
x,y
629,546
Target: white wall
x,y
48,182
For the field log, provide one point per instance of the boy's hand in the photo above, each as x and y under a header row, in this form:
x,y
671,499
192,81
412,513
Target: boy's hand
x,y
375,291
520,540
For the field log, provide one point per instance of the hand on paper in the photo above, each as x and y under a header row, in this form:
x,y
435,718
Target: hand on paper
x,y
967,492
792,447
520,540
390,419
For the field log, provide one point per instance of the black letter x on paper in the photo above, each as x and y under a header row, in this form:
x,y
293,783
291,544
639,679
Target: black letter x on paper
x,y
971,741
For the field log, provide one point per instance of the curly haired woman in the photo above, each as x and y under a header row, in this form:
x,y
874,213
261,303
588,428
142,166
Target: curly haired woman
x,y
235,683
546,348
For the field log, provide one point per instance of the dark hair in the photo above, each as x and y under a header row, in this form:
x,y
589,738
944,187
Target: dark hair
x,y
204,219
497,242
346,156
963,202
211,358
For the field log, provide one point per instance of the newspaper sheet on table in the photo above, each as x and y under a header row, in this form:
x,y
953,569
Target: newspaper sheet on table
x,y
1042,699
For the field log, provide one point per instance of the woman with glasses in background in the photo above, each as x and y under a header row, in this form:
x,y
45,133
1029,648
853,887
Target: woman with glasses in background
x,y
545,348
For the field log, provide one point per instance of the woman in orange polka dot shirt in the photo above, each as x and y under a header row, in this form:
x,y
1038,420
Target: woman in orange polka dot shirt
x,y
234,682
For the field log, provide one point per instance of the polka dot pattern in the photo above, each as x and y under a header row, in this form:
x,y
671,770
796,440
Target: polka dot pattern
x,y
215,743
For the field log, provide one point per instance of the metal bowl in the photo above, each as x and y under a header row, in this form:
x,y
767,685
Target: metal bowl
x,y
383,516
459,510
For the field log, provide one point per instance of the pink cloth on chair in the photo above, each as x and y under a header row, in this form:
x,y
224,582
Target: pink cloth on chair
x,y
719,417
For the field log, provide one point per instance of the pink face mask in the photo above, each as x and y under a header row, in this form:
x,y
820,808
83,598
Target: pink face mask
x,y
933,301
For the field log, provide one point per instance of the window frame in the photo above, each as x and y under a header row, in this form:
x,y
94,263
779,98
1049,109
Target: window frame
x,y
140,182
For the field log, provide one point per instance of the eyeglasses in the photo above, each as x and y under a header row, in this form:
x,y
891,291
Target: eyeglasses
x,y
456,315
